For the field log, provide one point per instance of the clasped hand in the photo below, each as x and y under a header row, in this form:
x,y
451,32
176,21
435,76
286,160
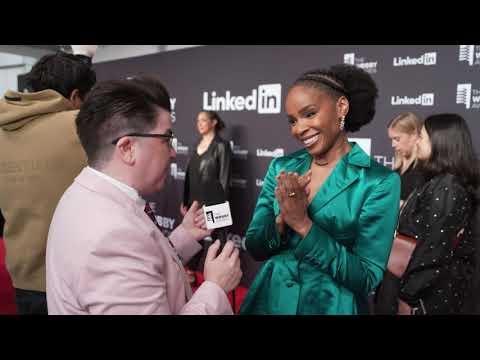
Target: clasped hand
x,y
292,195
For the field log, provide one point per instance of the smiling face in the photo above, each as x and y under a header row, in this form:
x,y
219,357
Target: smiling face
x,y
314,117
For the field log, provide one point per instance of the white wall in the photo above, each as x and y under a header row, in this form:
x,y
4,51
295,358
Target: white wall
x,y
19,59
8,78
10,67
24,50
115,52
105,52
179,47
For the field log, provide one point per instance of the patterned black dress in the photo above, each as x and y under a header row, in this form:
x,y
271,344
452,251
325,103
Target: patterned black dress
x,y
441,268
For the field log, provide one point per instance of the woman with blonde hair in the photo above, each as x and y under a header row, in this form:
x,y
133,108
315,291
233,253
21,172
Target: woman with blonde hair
x,y
404,131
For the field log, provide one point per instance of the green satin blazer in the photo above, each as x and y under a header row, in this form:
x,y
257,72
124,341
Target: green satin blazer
x,y
343,257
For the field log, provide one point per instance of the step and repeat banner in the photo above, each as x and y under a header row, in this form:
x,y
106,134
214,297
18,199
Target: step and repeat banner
x,y
247,86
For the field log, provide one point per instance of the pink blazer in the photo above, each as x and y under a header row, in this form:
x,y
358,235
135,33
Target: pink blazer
x,y
105,256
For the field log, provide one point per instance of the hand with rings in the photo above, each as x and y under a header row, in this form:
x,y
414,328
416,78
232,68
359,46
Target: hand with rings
x,y
292,195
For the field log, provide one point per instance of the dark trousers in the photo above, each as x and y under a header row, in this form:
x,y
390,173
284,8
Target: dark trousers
x,y
31,302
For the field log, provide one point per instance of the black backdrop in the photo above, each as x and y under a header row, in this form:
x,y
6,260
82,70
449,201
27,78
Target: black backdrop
x,y
254,80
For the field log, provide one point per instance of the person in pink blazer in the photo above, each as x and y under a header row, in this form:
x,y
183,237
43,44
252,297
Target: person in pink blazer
x,y
105,252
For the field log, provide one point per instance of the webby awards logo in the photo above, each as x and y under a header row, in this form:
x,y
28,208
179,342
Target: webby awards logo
x,y
176,172
468,96
180,148
238,152
469,54
266,99
361,62
238,182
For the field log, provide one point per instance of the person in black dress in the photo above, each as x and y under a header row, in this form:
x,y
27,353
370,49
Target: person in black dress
x,y
207,179
404,132
472,303
439,215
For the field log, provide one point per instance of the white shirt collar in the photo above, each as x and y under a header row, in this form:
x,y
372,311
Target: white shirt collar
x,y
131,192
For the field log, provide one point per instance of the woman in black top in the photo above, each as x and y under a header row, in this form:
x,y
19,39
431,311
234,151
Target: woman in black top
x,y
404,132
207,179
438,278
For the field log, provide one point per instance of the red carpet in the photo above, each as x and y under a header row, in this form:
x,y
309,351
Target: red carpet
x,y
7,303
240,292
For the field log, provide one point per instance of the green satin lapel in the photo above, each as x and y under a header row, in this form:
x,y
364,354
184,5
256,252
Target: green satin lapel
x,y
339,180
346,172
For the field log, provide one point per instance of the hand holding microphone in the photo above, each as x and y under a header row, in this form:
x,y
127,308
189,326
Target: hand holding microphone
x,y
224,269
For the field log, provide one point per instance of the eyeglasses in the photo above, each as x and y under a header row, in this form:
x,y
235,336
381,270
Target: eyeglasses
x,y
169,135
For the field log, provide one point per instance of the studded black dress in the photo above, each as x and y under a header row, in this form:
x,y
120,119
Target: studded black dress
x,y
385,301
441,268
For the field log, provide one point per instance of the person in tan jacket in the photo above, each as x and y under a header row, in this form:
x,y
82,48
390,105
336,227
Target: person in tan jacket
x,y
41,155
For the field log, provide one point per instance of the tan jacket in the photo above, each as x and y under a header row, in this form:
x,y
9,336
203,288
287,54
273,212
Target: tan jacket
x,y
40,155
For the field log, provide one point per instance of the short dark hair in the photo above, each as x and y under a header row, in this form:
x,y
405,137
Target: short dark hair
x,y
116,107
63,73
452,150
213,115
349,81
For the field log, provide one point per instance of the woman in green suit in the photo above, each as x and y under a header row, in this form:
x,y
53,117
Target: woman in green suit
x,y
326,216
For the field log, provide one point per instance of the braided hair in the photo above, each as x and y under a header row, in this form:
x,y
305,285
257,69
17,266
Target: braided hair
x,y
351,82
